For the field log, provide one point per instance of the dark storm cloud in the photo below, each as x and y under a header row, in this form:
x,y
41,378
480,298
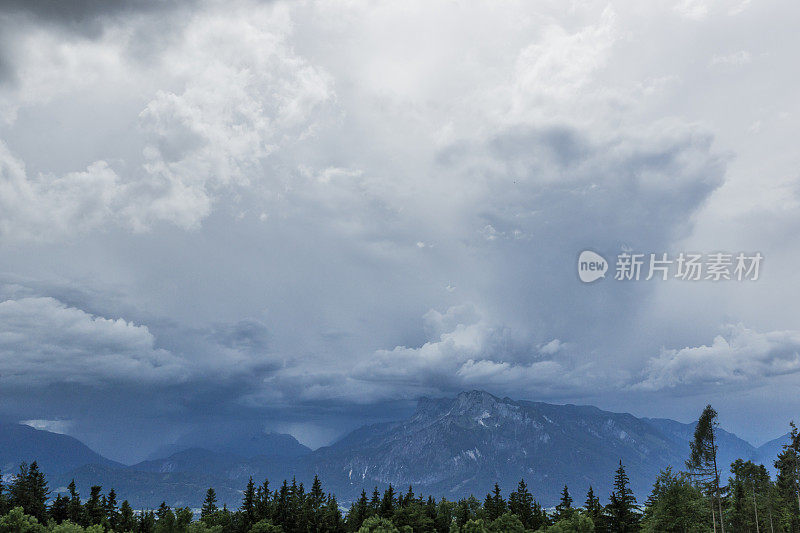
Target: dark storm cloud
x,y
86,16
557,191
48,344
6,70
59,359
247,335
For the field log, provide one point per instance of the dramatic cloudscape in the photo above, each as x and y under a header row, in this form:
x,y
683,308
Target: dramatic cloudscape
x,y
304,216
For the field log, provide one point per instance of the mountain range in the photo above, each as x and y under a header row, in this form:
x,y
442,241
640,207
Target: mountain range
x,y
54,452
449,447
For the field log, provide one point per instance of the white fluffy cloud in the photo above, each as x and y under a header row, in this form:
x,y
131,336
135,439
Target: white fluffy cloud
x,y
245,94
43,341
52,206
225,94
739,356
466,351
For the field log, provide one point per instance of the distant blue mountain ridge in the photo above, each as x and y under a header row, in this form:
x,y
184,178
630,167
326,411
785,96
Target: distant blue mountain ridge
x,y
450,447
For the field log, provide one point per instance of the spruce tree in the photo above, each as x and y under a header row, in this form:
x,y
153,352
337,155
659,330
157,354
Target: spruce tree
x,y
375,501
621,509
224,519
146,522
794,459
39,493
59,509
488,506
564,508
445,516
296,497
249,502
739,512
387,503
209,505
112,513
93,509
540,518
675,505
358,512
702,461
520,503
19,495
183,517
494,506
430,507
263,511
466,510
127,518
751,488
316,496
594,510
282,506
788,517
165,519
29,491
75,510
408,498
163,510
313,505
332,518
3,502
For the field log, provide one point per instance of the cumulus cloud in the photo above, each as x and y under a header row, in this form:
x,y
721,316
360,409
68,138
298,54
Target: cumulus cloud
x,y
739,356
692,9
43,341
552,347
52,206
241,93
552,76
466,351
735,59
245,94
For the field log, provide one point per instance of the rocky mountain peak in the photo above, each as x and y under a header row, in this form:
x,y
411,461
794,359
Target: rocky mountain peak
x,y
465,403
473,408
476,399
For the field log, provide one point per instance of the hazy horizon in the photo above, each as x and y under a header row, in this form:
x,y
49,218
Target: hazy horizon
x,y
163,449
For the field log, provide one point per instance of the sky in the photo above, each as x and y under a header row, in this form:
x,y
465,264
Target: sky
x,y
303,216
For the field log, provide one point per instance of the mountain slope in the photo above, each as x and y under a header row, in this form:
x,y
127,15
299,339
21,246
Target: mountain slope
x,y
461,446
730,446
191,460
449,447
146,490
244,442
767,453
180,479
55,453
